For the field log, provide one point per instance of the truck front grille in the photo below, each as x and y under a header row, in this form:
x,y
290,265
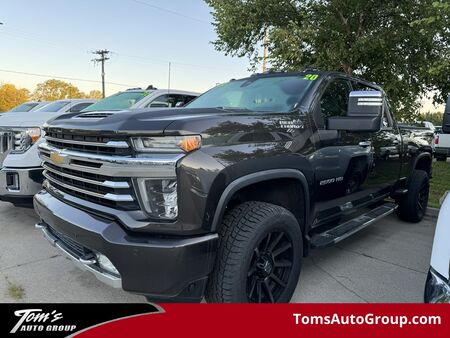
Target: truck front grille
x,y
91,144
82,177
111,192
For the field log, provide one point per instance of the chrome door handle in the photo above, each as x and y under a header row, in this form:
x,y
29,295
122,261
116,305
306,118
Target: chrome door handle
x,y
365,144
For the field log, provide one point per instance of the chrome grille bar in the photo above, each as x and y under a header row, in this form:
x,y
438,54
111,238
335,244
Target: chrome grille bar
x,y
109,184
108,196
110,144
157,165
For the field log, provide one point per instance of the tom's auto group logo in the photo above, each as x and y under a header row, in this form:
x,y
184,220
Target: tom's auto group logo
x,y
37,320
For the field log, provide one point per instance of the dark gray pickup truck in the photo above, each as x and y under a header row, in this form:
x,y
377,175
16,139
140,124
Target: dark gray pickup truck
x,y
222,199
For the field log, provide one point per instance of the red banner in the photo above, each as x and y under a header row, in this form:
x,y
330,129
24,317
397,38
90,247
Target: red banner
x,y
307,320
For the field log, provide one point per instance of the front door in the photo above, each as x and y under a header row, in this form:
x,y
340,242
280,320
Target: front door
x,y
348,165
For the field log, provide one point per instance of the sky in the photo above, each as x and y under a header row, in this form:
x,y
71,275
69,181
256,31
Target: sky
x,y
56,38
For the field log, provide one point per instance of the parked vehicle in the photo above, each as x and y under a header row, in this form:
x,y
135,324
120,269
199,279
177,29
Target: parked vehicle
x,y
224,197
28,106
437,289
442,140
420,130
20,134
137,98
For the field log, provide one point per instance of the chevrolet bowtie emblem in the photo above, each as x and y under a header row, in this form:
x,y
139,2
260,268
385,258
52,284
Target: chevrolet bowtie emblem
x,y
57,158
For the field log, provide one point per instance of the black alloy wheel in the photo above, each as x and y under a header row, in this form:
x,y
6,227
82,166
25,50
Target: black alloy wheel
x,y
270,268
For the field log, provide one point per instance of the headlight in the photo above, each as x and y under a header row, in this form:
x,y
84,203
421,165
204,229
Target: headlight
x,y
24,138
437,290
159,197
167,144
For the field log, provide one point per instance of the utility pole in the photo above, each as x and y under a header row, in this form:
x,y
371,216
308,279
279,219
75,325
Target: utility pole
x,y
168,85
264,65
102,57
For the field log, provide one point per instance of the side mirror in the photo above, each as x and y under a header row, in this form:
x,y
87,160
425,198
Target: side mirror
x,y
179,104
446,121
364,113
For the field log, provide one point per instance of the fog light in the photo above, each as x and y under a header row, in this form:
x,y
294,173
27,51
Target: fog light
x,y
12,181
159,197
106,264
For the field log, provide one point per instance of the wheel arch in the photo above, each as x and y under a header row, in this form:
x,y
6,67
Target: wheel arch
x,y
271,179
424,162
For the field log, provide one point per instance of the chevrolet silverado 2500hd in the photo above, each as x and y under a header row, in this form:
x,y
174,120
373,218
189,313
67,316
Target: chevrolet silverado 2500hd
x,y
224,197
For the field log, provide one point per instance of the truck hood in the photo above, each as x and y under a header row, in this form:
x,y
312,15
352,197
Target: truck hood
x,y
144,121
26,119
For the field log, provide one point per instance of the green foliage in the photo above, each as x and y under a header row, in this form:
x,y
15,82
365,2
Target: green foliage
x,y
437,23
440,183
388,42
435,118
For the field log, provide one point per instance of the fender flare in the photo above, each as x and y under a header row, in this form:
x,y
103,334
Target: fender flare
x,y
257,177
423,155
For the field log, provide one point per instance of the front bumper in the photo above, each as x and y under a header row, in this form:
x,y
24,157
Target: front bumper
x,y
19,183
161,268
437,289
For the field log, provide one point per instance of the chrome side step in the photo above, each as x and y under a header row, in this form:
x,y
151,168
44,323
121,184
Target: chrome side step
x,y
344,230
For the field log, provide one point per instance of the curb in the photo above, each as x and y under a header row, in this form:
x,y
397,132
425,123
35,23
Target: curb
x,y
433,212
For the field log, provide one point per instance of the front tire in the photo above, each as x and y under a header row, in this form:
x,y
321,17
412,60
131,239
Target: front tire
x,y
259,256
441,158
412,207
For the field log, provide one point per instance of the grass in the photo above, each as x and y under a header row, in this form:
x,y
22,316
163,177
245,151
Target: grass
x,y
440,182
15,291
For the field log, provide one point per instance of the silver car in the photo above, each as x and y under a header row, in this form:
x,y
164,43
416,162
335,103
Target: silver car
x,y
28,106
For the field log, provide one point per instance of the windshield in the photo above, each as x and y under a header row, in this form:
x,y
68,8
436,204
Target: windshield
x,y
54,106
24,107
265,94
119,101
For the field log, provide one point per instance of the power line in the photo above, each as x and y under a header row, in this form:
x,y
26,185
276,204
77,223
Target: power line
x,y
65,78
103,57
171,11
47,43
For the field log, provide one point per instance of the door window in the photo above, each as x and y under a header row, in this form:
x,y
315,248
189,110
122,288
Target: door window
x,y
334,101
388,120
80,106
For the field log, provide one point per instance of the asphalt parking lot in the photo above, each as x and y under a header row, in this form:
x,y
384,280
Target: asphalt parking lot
x,y
386,262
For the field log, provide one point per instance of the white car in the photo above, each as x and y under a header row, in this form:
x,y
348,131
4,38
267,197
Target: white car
x,y
28,106
437,288
20,134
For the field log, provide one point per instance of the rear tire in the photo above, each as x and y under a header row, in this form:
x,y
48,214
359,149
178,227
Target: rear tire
x,y
413,206
259,256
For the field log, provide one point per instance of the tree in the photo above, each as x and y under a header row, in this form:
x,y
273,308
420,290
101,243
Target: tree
x,y
435,118
10,96
51,90
373,39
438,20
95,94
